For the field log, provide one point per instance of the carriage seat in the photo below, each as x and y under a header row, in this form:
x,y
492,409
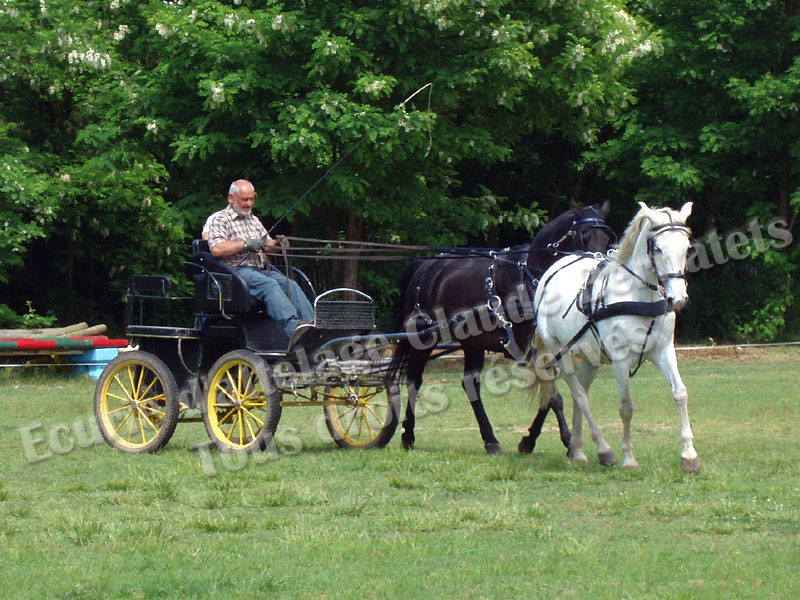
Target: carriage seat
x,y
212,276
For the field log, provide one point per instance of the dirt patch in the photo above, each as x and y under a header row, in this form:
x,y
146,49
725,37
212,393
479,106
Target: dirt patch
x,y
770,354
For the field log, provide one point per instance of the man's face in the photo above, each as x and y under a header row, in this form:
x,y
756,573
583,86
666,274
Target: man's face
x,y
243,201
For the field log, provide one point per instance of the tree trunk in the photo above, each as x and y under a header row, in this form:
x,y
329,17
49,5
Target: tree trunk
x,y
784,185
351,264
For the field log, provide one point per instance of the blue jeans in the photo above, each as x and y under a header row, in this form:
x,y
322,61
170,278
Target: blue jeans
x,y
269,287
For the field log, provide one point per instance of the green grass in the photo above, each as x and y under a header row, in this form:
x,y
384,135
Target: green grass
x,y
442,521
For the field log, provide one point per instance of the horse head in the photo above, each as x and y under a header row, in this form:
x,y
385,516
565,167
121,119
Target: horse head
x,y
590,232
662,234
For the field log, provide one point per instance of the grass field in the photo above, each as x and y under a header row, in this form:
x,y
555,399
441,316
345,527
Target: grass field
x,y
82,521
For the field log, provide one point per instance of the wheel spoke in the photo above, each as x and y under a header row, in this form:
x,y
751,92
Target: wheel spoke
x,y
377,418
122,387
130,412
153,410
250,414
138,386
116,410
249,427
149,387
141,425
227,414
147,419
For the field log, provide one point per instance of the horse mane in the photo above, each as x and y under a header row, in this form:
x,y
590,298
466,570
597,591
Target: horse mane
x,y
640,222
632,232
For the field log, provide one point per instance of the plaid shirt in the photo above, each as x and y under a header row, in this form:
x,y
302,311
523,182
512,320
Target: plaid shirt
x,y
229,226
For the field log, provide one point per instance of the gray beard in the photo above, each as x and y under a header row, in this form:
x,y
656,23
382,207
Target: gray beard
x,y
240,212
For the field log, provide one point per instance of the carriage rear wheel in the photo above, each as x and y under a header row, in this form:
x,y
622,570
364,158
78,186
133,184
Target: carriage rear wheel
x,y
136,402
362,416
242,406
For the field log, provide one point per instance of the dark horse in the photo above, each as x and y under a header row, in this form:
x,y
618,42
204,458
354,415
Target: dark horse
x,y
485,302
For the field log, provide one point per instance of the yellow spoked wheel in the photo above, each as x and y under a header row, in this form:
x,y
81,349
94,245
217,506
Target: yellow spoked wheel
x,y
136,403
362,416
242,407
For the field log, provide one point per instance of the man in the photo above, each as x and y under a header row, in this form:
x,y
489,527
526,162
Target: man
x,y
237,237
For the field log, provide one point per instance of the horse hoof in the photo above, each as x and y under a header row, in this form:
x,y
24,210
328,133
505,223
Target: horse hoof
x,y
630,464
607,458
577,457
526,446
690,465
493,448
408,444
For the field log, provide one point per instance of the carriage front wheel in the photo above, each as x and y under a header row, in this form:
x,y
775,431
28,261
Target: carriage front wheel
x,y
136,402
362,416
242,407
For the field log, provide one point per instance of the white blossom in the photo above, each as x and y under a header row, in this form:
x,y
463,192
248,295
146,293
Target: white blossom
x,y
90,58
163,30
120,33
152,127
218,93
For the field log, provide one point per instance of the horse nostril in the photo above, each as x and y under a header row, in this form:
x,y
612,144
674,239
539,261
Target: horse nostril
x,y
675,305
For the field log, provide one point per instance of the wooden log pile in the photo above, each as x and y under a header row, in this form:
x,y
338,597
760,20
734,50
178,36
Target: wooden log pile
x,y
73,339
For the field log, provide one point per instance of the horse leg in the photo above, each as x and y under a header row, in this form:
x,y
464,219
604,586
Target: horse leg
x,y
668,363
581,410
587,371
625,412
528,443
471,382
556,404
416,366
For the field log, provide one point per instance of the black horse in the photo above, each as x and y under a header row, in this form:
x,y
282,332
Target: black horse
x,y
485,303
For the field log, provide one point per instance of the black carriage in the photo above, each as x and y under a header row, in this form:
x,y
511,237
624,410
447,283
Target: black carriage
x,y
235,366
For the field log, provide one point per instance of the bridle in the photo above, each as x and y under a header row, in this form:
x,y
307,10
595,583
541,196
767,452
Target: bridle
x,y
651,247
574,232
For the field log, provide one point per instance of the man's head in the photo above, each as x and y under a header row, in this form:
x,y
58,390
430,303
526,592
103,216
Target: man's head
x,y
241,196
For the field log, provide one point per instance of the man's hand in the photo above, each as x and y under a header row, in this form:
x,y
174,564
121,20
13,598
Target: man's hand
x,y
253,244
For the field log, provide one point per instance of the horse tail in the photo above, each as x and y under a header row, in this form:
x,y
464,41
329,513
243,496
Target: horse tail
x,y
403,349
542,379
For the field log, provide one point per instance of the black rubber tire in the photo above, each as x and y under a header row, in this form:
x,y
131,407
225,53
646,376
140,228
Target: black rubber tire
x,y
241,408
136,403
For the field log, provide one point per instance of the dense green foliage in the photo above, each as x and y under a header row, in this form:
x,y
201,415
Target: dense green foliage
x,y
122,123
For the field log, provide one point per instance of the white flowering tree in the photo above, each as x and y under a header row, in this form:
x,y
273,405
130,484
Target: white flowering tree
x,y
717,123
124,122
279,91
80,194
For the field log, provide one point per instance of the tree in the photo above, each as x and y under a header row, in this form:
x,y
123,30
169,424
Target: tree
x,y
716,123
76,180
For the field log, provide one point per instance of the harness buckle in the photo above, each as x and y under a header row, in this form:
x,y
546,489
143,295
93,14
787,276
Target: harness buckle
x,y
493,303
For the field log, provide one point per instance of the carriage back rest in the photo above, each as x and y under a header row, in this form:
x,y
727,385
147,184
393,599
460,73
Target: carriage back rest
x,y
213,278
200,246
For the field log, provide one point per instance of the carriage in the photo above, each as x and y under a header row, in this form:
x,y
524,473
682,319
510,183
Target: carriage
x,y
237,367
234,370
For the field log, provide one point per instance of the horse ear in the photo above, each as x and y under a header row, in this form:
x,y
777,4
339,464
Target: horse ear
x,y
647,211
573,206
686,210
605,209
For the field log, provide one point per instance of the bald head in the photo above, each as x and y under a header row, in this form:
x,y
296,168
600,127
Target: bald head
x,y
241,196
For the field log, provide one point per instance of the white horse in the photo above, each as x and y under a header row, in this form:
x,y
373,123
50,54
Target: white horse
x,y
622,309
